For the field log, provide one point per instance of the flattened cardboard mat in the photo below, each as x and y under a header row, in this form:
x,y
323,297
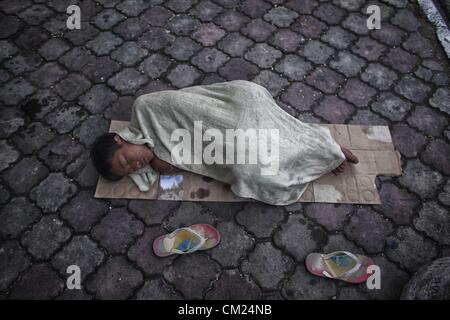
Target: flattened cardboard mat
x,y
371,144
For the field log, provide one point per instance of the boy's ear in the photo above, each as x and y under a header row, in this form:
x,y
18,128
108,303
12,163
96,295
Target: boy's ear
x,y
118,139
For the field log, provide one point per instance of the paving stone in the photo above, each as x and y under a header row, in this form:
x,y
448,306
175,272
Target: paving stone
x,y
297,230
74,294
397,204
206,11
392,281
316,51
180,6
25,174
35,14
129,54
104,43
441,100
267,266
14,6
231,285
281,16
309,27
201,269
293,67
47,75
330,216
40,104
60,152
357,23
419,45
209,59
221,212
46,237
444,196
305,286
143,255
368,229
368,48
351,293
127,81
183,48
357,92
155,65
263,55
108,18
412,89
157,16
152,86
334,110
183,75
11,120
420,179
7,50
101,69
66,118
389,35
8,155
260,219
114,280
212,78
409,142
80,37
329,13
80,251
391,106
258,30
406,19
325,79
76,59
52,192
83,211
125,227
235,44
347,63
182,24
83,171
427,120
11,25
4,195
366,117
156,289
409,249
254,8
234,245
401,60
97,98
440,79
436,154
302,6
13,260
378,76
90,129
72,87
30,38
133,7
40,282
337,242
4,76
15,91
188,213
23,63
286,40
238,68
338,37
53,49
434,220
16,216
208,34
232,20
271,81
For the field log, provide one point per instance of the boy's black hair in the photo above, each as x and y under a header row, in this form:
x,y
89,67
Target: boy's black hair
x,y
102,151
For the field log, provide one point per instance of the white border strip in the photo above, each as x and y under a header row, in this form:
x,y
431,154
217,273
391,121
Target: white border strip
x,y
435,17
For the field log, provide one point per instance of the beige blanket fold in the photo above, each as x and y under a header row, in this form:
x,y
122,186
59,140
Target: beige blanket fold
x,y
289,153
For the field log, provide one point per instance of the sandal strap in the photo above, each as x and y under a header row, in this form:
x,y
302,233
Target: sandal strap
x,y
195,248
348,272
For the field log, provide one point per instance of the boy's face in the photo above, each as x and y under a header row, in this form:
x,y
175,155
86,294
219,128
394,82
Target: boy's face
x,y
129,157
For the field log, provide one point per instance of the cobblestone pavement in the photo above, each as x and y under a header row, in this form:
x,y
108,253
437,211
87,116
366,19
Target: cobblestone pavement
x,y
60,88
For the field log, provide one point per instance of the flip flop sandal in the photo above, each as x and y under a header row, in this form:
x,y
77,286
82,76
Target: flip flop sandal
x,y
186,240
342,265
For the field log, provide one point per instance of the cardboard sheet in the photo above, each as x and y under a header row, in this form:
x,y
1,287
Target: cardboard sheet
x,y
371,144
